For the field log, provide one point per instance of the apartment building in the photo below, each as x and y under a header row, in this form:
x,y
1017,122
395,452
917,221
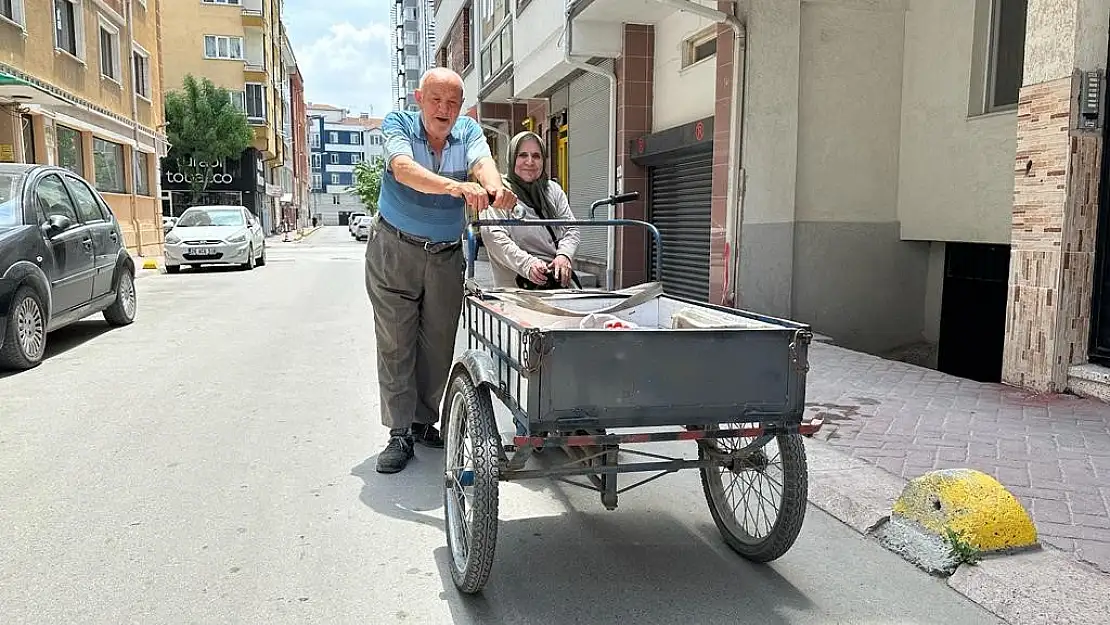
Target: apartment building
x,y
337,143
238,45
302,174
413,23
917,180
81,87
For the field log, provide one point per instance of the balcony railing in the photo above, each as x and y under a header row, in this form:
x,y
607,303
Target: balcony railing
x,y
497,51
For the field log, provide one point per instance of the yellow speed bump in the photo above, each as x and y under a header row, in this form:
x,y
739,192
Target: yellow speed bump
x,y
150,263
969,504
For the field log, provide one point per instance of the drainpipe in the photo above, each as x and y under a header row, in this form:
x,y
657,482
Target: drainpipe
x,y
129,18
611,258
733,219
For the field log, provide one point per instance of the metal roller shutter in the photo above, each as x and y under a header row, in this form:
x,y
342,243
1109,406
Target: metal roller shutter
x,y
589,156
680,193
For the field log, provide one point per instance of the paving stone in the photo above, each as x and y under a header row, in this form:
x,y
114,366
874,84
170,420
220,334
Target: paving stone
x,y
1053,451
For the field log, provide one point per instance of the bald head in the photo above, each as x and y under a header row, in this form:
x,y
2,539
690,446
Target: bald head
x,y
440,98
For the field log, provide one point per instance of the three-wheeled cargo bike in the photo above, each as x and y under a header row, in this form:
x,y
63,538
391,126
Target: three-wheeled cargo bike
x,y
579,368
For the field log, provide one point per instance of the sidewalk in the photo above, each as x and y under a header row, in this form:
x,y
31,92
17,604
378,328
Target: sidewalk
x,y
1051,451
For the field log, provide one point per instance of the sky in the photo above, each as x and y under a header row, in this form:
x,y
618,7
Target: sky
x,y
343,48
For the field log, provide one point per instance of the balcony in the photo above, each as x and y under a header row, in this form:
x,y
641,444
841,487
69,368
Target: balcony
x,y
495,64
253,13
622,11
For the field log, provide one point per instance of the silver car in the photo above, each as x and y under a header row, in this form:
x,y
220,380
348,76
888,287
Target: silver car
x,y
215,235
362,228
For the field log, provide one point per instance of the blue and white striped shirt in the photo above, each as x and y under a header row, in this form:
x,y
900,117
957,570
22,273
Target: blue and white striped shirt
x,y
436,217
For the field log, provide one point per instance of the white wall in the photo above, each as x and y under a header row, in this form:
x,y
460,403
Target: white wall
x,y
681,95
538,58
956,173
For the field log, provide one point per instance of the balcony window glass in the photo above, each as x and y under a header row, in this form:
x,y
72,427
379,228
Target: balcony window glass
x,y
71,152
256,102
108,159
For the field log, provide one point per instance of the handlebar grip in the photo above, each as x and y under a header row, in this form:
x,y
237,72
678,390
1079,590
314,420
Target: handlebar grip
x,y
626,197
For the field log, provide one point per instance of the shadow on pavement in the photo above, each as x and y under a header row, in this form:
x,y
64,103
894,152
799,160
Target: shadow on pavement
x,y
585,568
72,336
415,494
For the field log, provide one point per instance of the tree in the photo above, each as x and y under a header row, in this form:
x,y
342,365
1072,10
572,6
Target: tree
x,y
368,183
205,129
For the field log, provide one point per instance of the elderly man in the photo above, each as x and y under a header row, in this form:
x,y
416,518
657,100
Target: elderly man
x,y
414,257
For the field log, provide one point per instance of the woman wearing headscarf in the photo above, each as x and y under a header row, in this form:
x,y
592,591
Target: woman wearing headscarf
x,y
532,256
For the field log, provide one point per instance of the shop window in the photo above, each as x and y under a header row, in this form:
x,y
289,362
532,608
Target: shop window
x,y
142,173
71,151
108,161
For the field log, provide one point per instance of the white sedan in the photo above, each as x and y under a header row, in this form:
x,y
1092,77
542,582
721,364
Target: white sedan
x,y
215,235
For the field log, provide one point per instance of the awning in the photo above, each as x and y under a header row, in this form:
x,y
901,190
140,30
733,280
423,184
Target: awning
x,y
18,90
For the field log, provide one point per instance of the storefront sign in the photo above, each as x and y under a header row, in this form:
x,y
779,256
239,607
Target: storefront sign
x,y
224,175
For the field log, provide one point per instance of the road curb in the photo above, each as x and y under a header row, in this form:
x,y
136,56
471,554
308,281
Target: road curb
x,y
1023,588
305,235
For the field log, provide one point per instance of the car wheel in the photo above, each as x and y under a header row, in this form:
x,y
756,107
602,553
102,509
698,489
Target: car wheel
x,y
122,311
25,335
250,259
262,257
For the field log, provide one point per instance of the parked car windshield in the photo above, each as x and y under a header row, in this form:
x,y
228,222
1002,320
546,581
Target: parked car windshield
x,y
11,184
195,218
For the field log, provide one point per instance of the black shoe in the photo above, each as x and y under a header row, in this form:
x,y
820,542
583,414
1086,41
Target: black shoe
x,y
396,454
426,434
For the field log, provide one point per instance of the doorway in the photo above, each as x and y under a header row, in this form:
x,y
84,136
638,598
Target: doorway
x,y
973,310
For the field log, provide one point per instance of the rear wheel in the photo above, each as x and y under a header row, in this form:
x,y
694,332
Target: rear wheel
x,y
122,311
757,492
25,334
471,480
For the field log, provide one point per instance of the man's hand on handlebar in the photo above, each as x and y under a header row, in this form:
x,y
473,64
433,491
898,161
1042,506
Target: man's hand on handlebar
x,y
502,197
537,273
472,193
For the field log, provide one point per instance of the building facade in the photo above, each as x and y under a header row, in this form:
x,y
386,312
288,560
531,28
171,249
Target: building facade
x,y
338,143
921,181
238,45
413,23
81,87
302,173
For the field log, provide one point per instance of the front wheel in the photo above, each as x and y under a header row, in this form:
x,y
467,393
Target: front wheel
x,y
25,334
262,257
471,480
122,311
757,493
250,259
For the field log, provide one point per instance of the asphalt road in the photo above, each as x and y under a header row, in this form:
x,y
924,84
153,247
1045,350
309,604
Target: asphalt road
x,y
214,463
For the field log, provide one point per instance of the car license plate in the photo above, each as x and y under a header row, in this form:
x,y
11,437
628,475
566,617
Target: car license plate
x,y
202,251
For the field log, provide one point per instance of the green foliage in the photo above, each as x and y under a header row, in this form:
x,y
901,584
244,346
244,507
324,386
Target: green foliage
x,y
204,128
368,183
961,549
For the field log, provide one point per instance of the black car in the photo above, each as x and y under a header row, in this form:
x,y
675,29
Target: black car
x,y
62,258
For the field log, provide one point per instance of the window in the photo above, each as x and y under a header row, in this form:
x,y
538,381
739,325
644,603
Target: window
x,y
314,139
108,161
356,159
333,137
109,51
88,209
228,2
12,10
142,173
699,47
1005,54
238,100
256,102
141,62
356,138
68,27
54,200
411,38
335,178
317,181
222,47
71,151
316,161
334,158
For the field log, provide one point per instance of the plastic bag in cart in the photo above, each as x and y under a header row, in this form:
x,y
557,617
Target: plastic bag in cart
x,y
605,321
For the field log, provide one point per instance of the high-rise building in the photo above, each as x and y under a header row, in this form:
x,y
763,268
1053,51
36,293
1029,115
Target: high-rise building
x,y
238,46
413,23
81,87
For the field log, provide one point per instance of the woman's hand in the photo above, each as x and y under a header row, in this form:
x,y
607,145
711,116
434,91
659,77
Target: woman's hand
x,y
562,269
538,272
